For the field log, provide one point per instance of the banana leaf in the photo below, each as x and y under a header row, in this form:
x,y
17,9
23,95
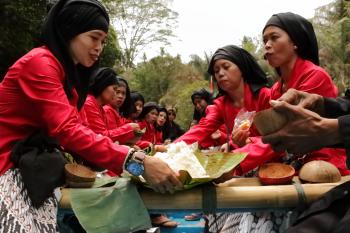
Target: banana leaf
x,y
214,163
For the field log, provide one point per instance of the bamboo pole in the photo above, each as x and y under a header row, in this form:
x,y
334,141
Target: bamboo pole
x,y
245,193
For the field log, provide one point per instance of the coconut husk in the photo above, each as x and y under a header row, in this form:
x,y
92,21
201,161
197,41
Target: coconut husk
x,y
319,171
77,173
269,121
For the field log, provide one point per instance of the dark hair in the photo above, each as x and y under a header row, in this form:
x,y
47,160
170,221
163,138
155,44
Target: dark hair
x,y
149,106
134,97
201,94
66,19
252,73
158,127
101,79
127,107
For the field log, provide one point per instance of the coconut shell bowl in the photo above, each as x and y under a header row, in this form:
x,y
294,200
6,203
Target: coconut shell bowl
x,y
276,174
79,176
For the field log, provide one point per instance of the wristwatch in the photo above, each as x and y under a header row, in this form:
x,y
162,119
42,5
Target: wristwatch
x,y
134,164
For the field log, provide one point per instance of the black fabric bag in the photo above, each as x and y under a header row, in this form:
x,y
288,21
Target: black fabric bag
x,y
41,165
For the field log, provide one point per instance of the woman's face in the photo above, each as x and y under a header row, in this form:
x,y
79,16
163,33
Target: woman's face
x,y
152,116
279,48
120,92
161,118
200,104
138,107
86,47
108,95
227,75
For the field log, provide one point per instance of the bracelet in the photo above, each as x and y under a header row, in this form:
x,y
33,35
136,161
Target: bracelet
x,y
129,156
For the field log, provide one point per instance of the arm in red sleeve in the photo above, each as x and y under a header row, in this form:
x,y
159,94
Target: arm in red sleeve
x,y
206,126
98,123
42,86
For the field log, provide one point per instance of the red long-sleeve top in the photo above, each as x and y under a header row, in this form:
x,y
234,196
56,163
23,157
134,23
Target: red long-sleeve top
x,y
151,136
32,97
223,112
98,122
305,77
308,77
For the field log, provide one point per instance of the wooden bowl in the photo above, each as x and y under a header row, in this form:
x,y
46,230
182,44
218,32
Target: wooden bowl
x,y
73,184
79,173
276,173
319,171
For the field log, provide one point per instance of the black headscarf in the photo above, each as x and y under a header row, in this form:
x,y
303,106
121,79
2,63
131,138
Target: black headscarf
x,y
252,73
301,32
67,19
101,79
149,106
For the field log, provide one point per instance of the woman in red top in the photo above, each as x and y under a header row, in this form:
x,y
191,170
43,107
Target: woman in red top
x,y
290,47
121,106
102,92
202,99
241,83
44,90
148,118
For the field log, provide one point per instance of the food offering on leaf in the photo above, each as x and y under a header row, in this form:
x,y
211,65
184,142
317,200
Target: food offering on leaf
x,y
243,120
180,156
196,167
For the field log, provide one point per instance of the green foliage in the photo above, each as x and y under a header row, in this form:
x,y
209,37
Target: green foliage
x,y
140,23
20,27
111,55
332,25
153,78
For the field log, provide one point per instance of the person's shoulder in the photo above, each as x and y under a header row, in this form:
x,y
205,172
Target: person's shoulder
x,y
310,68
219,100
42,59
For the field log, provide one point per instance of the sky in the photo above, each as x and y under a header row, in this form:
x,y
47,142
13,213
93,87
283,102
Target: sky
x,y
206,25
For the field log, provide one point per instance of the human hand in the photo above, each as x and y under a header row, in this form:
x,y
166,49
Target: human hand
x,y
306,100
160,148
224,148
216,135
160,176
305,131
240,136
135,127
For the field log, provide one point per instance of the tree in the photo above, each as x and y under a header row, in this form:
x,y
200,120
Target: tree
x,y
140,23
112,54
20,27
332,25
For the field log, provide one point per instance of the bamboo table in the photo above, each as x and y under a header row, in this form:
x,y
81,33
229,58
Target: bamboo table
x,y
235,195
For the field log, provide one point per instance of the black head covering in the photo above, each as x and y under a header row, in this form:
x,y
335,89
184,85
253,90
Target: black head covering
x,y
101,79
250,69
149,106
66,19
202,94
127,107
301,32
